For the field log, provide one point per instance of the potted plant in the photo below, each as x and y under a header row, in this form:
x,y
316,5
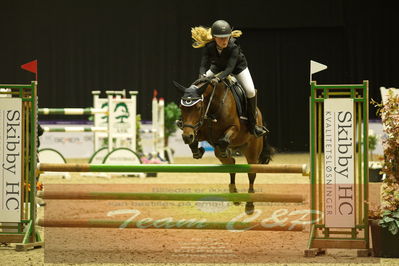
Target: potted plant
x,y
172,113
385,222
385,230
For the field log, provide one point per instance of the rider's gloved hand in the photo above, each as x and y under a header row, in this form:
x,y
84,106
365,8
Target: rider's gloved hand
x,y
215,81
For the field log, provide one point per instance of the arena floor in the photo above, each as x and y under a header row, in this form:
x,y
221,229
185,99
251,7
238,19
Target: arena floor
x,y
96,246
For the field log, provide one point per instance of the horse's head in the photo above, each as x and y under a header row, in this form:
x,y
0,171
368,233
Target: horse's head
x,y
192,109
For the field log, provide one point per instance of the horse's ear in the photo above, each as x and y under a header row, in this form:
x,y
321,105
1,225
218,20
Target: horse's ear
x,y
181,88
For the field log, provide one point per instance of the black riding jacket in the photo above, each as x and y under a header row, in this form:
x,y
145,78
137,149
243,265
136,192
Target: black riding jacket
x,y
230,60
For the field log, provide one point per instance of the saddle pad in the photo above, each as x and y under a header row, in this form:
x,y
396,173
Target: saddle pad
x,y
239,96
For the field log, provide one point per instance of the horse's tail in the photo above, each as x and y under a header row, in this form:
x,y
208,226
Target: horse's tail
x,y
267,151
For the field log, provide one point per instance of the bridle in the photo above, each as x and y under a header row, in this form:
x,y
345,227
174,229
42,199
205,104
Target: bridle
x,y
191,101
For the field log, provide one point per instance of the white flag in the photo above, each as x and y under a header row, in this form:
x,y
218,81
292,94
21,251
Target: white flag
x,y
315,67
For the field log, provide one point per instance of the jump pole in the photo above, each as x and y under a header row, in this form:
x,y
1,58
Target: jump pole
x,y
75,129
235,197
95,223
71,111
178,168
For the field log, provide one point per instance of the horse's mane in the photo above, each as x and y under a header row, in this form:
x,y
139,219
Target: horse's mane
x,y
202,35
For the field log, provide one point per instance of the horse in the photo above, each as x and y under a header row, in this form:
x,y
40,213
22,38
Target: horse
x,y
209,113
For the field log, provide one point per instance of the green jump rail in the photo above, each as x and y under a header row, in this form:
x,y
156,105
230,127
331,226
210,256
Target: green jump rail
x,y
236,197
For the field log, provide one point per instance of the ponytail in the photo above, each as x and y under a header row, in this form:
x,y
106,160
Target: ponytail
x,y
202,36
236,33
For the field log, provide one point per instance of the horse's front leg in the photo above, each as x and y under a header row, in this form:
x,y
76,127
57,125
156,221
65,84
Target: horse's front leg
x,y
197,152
224,142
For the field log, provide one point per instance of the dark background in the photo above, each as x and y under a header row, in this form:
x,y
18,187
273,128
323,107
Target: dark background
x,y
143,45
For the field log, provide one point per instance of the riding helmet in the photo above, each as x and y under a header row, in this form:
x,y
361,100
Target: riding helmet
x,y
221,29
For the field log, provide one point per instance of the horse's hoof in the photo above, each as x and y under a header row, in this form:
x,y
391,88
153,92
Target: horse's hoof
x,y
249,208
225,154
223,143
232,189
199,154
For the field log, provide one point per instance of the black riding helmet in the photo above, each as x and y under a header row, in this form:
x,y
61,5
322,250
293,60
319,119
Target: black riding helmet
x,y
221,29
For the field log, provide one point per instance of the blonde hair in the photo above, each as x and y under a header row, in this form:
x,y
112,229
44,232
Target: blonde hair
x,y
202,35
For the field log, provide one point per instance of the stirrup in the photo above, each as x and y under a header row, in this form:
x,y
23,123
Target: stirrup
x,y
259,131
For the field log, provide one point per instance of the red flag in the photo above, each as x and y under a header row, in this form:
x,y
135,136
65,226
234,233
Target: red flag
x,y
31,67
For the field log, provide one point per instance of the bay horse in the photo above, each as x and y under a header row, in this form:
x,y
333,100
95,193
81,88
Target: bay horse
x,y
209,113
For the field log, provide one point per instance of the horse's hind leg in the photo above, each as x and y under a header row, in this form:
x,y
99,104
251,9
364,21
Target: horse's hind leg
x,y
232,185
252,153
249,206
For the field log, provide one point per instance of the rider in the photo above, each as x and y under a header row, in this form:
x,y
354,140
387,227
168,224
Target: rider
x,y
222,56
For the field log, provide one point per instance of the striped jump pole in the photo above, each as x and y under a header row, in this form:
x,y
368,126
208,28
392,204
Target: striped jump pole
x,y
162,224
178,168
146,131
235,197
71,111
75,129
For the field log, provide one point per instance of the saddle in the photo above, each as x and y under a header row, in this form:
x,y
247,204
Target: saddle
x,y
239,95
232,84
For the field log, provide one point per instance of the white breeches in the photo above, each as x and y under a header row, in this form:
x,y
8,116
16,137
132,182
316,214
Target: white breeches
x,y
244,78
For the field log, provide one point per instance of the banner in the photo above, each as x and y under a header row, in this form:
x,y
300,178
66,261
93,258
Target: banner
x,y
10,159
339,175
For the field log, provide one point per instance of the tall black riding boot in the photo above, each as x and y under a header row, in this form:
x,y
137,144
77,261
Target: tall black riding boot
x,y
256,130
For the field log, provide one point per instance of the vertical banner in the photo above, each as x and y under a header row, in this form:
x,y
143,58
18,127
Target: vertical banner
x,y
10,159
122,122
100,120
339,175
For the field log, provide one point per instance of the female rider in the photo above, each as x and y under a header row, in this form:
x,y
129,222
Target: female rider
x,y
222,56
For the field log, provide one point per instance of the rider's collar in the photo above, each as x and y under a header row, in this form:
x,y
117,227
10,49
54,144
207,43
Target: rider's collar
x,y
190,101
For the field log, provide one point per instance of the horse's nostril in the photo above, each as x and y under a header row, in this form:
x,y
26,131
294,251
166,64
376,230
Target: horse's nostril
x,y
188,138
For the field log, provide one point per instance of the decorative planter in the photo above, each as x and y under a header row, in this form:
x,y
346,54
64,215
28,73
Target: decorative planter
x,y
384,243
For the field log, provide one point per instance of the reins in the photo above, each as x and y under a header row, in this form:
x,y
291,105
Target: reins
x,y
209,103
